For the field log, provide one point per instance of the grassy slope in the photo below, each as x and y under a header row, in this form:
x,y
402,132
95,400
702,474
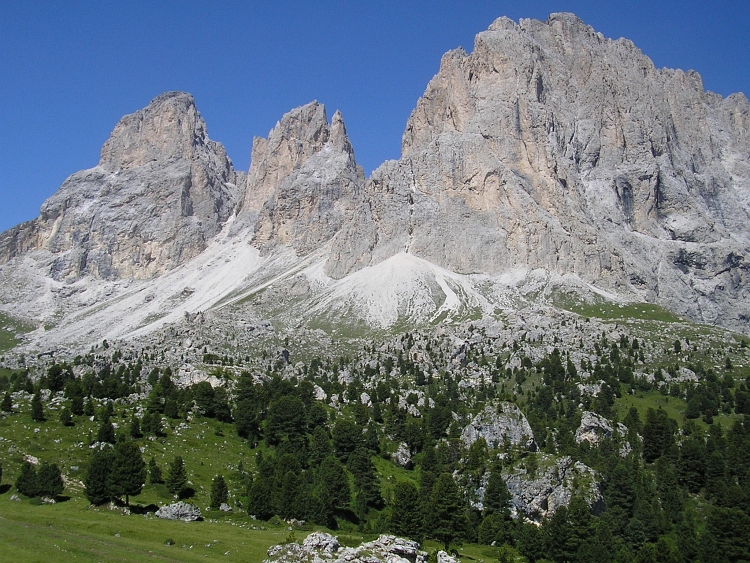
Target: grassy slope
x,y
72,531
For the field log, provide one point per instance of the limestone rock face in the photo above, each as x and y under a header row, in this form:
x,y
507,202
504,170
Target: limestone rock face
x,y
552,147
498,424
540,493
303,182
594,428
161,191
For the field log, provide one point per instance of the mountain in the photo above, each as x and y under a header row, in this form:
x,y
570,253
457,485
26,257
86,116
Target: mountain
x,y
550,166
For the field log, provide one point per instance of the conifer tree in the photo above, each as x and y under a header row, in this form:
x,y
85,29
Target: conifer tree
x,y
365,480
496,495
97,481
7,404
219,492
106,433
406,513
27,483
76,405
128,472
135,428
37,409
49,480
447,517
154,472
177,477
89,409
66,418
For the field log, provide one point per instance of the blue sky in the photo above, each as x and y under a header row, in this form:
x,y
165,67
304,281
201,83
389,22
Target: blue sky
x,y
69,70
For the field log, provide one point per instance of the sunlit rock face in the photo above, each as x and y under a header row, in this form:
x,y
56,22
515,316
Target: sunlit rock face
x,y
161,191
552,147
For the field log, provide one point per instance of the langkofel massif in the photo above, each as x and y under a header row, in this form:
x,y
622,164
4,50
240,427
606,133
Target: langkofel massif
x,y
549,166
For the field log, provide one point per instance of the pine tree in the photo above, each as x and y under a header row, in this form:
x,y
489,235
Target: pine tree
x,y
76,405
406,513
89,409
37,409
332,484
154,472
97,479
49,480
365,480
66,418
135,428
7,404
219,492
128,472
27,482
496,496
177,478
106,433
447,517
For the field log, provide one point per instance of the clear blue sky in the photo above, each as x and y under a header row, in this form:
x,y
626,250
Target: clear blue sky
x,y
69,70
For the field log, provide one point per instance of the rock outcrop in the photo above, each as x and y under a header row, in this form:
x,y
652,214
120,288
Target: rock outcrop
x,y
549,154
500,424
538,492
161,191
179,511
319,546
594,428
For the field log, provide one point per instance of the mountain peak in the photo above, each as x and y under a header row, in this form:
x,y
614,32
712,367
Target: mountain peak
x,y
166,129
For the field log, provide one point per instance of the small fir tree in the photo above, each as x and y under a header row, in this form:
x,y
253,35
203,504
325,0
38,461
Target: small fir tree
x,y
447,511
219,492
7,404
27,483
154,472
135,428
89,409
76,405
128,472
37,409
177,478
106,433
66,418
49,480
406,514
97,481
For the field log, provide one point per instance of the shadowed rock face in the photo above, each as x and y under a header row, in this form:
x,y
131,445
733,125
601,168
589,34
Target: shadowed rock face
x,y
161,191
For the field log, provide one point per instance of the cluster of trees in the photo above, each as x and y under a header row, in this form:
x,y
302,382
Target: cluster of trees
x,y
45,482
115,472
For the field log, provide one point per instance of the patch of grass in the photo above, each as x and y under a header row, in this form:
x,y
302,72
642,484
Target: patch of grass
x,y
8,329
74,531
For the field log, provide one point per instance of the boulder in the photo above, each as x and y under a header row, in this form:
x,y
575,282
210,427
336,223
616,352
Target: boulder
x,y
179,511
319,546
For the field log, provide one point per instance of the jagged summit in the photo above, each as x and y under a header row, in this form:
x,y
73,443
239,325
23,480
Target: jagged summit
x,y
165,129
548,156
161,191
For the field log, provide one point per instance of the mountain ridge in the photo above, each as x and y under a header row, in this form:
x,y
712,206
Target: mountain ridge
x,y
547,149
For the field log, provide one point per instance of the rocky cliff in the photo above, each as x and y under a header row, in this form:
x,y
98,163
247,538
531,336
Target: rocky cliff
x,y
161,191
548,155
552,147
